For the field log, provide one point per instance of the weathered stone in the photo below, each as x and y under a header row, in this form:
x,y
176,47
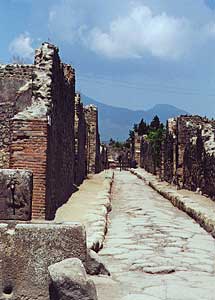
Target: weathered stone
x,y
93,140
27,250
70,282
95,265
80,141
186,155
15,194
37,113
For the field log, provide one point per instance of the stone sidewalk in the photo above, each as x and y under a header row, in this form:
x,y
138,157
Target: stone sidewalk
x,y
90,206
200,208
153,250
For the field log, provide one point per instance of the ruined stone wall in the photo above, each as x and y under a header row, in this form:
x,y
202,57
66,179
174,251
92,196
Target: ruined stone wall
x,y
93,141
61,157
43,133
29,152
199,158
80,141
137,148
170,150
15,95
187,154
103,157
37,132
146,157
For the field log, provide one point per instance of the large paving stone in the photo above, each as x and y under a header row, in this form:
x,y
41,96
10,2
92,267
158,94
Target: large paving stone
x,y
153,250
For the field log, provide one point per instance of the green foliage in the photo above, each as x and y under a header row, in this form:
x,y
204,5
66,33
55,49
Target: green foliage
x,y
155,138
131,134
135,128
119,145
142,128
155,123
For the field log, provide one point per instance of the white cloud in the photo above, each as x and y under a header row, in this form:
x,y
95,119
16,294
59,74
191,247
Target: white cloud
x,y
142,32
65,20
134,32
22,46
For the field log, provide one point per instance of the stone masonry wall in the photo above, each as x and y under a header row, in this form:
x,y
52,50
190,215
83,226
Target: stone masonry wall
x,y
199,158
137,148
43,133
15,87
80,141
39,122
60,154
187,154
147,158
93,141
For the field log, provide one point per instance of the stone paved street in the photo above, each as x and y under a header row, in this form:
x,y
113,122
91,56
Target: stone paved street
x,y
153,250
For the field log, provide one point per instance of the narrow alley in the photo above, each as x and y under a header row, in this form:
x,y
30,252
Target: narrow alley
x,y
153,250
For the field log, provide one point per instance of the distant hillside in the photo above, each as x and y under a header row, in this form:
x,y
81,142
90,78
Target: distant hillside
x,y
116,122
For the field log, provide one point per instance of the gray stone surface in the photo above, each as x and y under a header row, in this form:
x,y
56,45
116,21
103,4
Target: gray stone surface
x,y
198,207
70,282
95,265
27,250
15,194
153,250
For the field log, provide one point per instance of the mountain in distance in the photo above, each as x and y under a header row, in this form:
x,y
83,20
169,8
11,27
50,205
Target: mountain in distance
x,y
115,122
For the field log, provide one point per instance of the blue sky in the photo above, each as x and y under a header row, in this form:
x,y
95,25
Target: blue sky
x,y
136,54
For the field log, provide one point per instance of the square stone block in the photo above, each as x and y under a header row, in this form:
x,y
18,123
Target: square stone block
x,y
28,249
16,188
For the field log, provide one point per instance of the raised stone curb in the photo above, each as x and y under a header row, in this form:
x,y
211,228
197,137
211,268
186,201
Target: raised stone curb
x,y
97,231
198,207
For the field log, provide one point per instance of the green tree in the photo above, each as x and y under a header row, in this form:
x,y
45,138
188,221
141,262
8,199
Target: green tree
x,y
155,123
135,128
142,128
155,138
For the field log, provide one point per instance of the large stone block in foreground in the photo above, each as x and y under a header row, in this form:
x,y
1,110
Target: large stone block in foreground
x,y
15,194
27,250
70,281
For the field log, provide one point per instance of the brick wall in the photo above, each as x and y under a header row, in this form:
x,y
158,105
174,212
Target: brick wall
x,y
43,132
29,151
37,112
56,88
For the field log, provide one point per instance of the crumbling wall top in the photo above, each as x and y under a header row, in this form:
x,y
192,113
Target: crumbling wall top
x,y
91,107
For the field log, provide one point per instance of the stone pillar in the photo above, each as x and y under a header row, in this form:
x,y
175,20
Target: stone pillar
x,y
80,141
93,141
137,148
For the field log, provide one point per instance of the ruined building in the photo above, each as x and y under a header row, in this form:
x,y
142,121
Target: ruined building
x,y
137,148
93,139
80,141
187,154
45,129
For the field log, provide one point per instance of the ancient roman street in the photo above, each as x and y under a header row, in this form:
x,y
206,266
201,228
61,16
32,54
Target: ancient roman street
x,y
153,250
88,213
